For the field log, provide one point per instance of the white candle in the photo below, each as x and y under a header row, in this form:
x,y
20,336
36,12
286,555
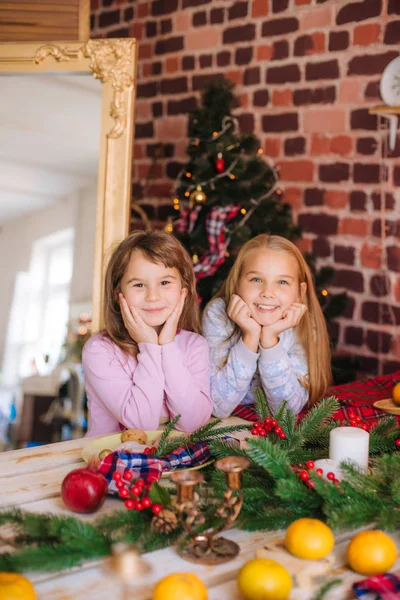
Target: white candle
x,y
350,444
328,466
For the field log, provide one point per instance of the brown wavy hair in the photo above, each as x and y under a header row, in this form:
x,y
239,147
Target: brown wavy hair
x,y
159,247
312,331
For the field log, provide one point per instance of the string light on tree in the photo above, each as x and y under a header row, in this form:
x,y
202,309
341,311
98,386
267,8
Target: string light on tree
x,y
324,292
169,226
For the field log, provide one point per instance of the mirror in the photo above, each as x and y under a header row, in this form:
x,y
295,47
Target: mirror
x,y
66,136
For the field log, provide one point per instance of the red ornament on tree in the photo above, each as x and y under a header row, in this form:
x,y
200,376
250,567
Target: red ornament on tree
x,y
220,163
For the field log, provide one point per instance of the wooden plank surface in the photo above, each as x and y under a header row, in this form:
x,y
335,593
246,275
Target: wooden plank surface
x,y
31,479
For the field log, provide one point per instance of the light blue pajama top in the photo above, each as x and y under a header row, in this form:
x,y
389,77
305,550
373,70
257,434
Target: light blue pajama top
x,y
236,371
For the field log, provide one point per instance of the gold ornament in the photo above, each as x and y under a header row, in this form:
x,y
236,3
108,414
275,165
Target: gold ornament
x,y
198,196
195,259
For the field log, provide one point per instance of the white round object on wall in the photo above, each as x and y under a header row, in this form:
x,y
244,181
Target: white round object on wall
x,y
390,83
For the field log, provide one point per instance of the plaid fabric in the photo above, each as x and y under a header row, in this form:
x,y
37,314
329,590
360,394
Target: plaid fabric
x,y
209,262
150,468
355,398
379,587
187,220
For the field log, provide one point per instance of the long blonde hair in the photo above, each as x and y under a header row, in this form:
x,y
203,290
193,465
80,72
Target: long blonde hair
x,y
311,330
159,247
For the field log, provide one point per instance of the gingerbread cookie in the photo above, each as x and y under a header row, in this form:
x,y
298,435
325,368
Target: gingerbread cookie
x,y
134,435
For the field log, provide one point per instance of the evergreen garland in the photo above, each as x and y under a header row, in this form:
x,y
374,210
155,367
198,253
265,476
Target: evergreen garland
x,y
274,494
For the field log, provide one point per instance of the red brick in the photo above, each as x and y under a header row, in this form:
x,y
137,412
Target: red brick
x,y
341,144
320,144
329,120
172,64
296,170
143,10
294,197
282,98
147,69
259,8
94,5
143,171
272,147
317,18
350,91
139,151
145,51
264,52
397,289
171,128
206,37
304,245
235,76
136,30
182,21
370,256
143,111
336,198
355,227
244,100
365,35
318,43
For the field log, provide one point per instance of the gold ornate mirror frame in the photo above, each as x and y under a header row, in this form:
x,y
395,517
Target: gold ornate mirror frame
x,y
113,62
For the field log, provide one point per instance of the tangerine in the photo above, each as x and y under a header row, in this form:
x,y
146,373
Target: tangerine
x,y
371,553
16,587
309,538
264,579
396,394
180,586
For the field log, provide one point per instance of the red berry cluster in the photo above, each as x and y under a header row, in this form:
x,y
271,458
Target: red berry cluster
x,y
305,475
397,442
355,421
150,450
263,428
135,493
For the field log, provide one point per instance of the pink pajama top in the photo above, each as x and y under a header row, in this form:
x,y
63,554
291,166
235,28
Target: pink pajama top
x,y
161,382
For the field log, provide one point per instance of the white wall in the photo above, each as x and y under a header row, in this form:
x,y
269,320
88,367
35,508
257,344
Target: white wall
x,y
17,237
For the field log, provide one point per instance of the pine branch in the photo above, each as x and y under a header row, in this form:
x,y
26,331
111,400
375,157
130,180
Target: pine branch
x,y
163,439
317,417
326,588
260,404
272,457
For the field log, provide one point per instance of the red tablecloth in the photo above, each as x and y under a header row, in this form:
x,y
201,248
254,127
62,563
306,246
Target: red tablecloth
x,y
355,398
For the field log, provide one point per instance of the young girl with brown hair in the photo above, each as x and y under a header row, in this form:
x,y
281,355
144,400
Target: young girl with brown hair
x,y
150,362
265,327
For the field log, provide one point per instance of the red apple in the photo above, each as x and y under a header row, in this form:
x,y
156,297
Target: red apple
x,y
84,490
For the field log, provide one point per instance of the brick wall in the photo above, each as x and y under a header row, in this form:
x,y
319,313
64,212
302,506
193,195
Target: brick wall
x,y
306,73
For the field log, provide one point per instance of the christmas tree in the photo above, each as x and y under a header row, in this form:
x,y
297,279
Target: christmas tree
x,y
227,193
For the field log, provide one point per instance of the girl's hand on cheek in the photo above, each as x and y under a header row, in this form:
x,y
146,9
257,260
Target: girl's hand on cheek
x,y
168,332
291,317
240,314
136,327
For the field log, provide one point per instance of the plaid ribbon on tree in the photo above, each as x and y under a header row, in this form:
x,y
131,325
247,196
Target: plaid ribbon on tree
x,y
356,398
378,587
149,467
187,220
216,220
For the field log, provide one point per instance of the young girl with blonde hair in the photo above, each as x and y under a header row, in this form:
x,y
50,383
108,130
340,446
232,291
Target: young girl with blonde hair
x,y
265,327
149,362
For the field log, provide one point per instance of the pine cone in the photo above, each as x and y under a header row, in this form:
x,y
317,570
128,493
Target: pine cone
x,y
165,522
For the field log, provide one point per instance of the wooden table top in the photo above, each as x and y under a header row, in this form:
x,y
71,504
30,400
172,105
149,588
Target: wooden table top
x,y
31,479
